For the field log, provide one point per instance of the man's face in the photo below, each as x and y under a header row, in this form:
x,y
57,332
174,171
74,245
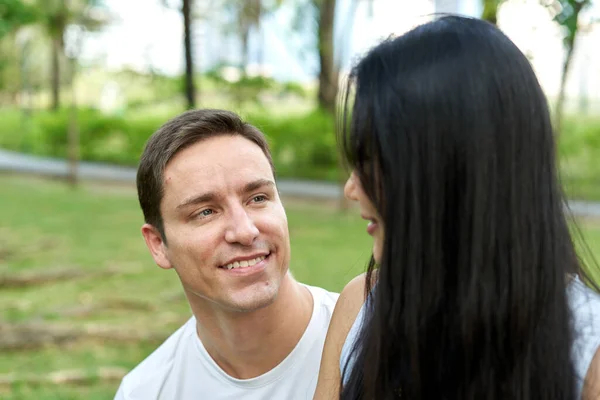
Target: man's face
x,y
226,229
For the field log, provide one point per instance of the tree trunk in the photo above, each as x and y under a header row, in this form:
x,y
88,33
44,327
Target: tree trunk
x,y
570,42
490,11
328,75
190,89
55,72
249,16
73,133
245,36
260,57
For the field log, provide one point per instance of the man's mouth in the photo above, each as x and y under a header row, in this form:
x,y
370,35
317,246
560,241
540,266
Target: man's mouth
x,y
244,263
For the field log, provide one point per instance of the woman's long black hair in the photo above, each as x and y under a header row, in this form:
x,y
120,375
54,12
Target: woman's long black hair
x,y
451,138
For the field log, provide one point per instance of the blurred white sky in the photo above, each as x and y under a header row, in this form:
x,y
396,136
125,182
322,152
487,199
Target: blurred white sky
x,y
148,35
144,33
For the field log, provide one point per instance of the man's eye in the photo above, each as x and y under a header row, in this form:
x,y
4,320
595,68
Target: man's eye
x,y
205,213
259,199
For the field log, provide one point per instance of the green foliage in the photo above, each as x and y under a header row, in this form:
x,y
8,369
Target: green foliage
x,y
247,89
579,153
9,67
56,15
303,146
294,89
490,10
14,14
568,17
143,89
104,138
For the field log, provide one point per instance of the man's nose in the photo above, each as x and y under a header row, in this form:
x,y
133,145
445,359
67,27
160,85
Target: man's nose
x,y
241,228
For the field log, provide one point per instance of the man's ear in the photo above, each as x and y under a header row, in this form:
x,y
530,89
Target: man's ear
x,y
156,245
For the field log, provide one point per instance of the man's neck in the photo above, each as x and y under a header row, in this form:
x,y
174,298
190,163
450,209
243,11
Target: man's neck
x,y
247,345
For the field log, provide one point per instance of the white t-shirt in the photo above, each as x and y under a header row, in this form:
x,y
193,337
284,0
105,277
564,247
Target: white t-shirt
x,y
182,369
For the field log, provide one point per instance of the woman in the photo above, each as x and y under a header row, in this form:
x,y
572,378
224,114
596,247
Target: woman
x,y
476,292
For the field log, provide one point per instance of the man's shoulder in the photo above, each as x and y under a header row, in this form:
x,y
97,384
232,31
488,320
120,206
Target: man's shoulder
x,y
155,368
323,297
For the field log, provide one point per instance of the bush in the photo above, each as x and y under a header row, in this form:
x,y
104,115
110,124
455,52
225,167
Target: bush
x,y
579,154
303,146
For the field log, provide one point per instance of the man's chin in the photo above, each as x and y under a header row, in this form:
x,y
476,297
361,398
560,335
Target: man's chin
x,y
253,303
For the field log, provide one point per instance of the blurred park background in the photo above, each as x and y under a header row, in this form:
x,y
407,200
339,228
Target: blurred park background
x,y
84,83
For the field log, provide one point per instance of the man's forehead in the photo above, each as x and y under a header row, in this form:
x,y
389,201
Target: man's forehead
x,y
222,163
214,179
219,152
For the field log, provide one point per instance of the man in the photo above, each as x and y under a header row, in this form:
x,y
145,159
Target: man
x,y
207,189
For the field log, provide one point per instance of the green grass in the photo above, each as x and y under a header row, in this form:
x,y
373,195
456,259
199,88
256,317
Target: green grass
x,y
46,225
96,392
587,240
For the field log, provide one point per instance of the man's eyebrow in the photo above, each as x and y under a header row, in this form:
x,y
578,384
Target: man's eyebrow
x,y
203,198
211,196
257,184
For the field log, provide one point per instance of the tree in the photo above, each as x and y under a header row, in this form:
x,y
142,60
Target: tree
x,y
57,15
187,7
56,23
329,71
247,15
9,69
490,10
569,19
190,88
74,38
324,12
15,14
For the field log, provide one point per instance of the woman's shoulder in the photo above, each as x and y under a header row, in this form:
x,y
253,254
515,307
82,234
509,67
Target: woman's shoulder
x,y
352,297
346,309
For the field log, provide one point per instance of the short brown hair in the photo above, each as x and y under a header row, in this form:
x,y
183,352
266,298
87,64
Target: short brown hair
x,y
176,135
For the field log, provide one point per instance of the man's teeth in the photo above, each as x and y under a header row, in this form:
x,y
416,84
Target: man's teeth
x,y
244,264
